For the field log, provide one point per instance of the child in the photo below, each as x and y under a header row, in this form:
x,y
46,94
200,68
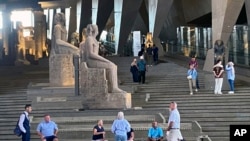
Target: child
x,y
191,76
230,76
218,74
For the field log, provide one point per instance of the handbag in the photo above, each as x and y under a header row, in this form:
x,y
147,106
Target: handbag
x,y
189,77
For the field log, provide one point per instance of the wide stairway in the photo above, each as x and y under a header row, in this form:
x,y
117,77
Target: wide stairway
x,y
165,82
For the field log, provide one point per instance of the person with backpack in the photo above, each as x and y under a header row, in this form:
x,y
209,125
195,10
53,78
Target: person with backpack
x,y
24,123
142,70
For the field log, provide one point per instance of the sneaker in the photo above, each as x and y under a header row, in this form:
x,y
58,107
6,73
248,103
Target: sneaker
x,y
191,93
196,90
220,93
230,92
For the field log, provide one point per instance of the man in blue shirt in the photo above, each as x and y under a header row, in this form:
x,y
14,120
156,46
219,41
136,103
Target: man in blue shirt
x,y
174,123
120,127
47,129
155,133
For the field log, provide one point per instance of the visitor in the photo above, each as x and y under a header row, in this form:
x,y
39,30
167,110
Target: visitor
x,y
218,74
191,76
47,129
98,132
134,70
142,70
155,133
174,124
120,127
230,76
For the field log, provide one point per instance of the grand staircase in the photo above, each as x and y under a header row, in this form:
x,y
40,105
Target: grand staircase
x,y
201,114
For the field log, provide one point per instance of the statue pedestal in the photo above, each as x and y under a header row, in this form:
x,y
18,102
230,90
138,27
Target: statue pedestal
x,y
61,70
94,90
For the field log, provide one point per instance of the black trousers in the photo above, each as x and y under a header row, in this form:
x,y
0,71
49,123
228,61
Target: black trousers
x,y
141,78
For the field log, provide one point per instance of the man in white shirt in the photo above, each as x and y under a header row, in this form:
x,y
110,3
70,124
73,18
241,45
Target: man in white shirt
x,y
173,130
24,123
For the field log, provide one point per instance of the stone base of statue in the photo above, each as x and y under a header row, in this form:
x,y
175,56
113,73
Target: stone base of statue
x,y
20,62
94,90
61,70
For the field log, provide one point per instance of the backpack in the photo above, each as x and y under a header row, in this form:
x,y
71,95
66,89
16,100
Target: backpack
x,y
17,131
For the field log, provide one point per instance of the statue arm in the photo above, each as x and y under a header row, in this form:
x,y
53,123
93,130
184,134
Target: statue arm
x,y
67,46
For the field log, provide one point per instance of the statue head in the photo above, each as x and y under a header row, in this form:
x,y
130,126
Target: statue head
x,y
219,43
92,30
59,19
19,25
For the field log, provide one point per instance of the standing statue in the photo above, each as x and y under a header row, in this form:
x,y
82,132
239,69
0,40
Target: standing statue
x,y
94,60
59,39
20,45
219,50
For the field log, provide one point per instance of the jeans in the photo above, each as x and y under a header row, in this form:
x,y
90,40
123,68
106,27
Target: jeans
x,y
120,138
26,136
231,84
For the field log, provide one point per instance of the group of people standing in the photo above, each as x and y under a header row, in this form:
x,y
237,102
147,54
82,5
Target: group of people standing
x,y
147,56
218,71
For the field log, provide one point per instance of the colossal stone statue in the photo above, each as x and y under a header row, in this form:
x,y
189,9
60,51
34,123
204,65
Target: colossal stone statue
x,y
61,55
94,60
20,46
219,50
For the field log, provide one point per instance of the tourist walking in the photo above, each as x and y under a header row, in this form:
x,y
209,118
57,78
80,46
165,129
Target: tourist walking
x,y
194,62
24,123
230,76
120,127
98,132
149,55
47,130
192,77
134,70
174,121
218,74
142,70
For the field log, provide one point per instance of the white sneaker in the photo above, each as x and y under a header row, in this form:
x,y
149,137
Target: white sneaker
x,y
230,92
220,93
191,93
196,90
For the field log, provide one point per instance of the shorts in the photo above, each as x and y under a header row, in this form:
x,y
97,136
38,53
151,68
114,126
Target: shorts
x,y
50,138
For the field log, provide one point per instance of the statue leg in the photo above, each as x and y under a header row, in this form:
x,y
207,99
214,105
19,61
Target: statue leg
x,y
112,76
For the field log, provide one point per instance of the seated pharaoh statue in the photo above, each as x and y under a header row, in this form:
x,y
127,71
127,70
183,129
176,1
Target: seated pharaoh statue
x,y
61,55
59,39
94,60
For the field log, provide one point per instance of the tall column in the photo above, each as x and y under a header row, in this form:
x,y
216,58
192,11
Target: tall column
x,y
94,11
245,39
118,4
152,9
188,37
196,30
223,20
182,36
72,21
234,44
247,5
